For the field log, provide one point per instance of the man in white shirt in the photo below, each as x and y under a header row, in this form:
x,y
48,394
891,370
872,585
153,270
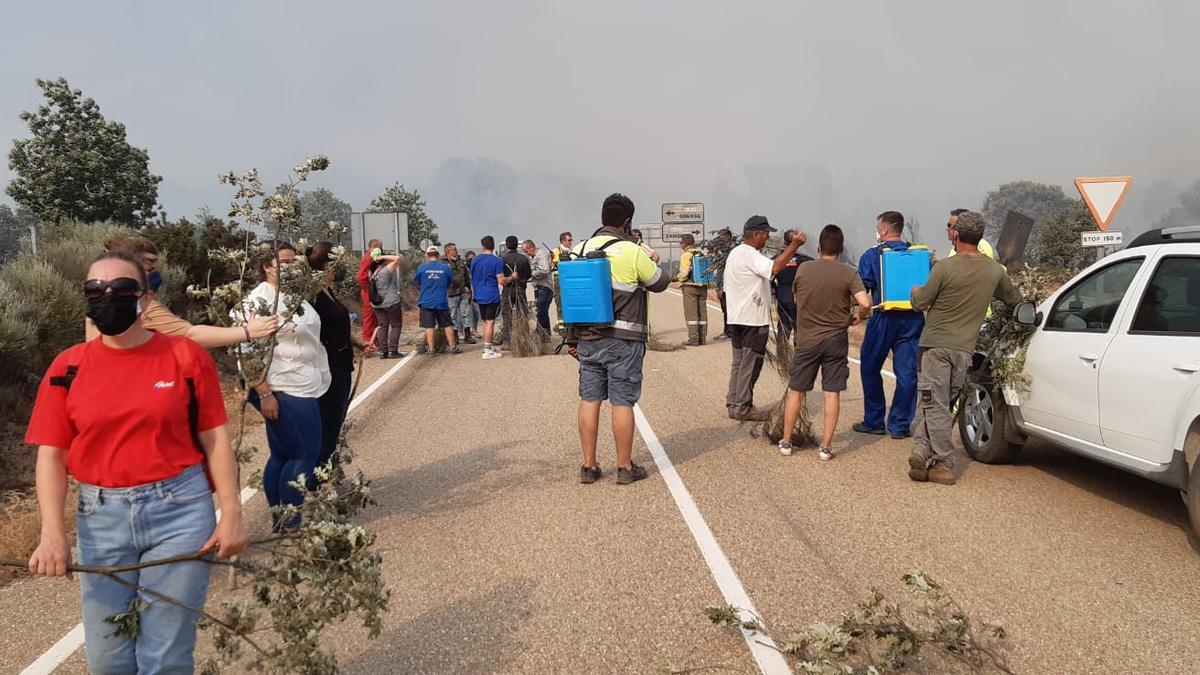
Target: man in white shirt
x,y
748,298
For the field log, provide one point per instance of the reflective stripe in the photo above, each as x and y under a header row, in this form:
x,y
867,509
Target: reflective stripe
x,y
692,323
629,326
628,288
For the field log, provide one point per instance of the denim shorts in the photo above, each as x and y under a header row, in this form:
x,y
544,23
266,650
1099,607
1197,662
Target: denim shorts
x,y
611,369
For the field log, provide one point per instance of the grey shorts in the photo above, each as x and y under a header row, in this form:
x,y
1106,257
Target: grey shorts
x,y
611,369
830,356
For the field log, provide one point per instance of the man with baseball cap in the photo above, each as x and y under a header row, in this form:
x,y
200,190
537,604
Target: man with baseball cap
x,y
433,279
955,299
747,277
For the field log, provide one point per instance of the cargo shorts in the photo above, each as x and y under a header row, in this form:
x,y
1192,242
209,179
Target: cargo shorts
x,y
611,369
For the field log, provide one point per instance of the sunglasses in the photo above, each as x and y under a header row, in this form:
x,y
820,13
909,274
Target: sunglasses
x,y
122,287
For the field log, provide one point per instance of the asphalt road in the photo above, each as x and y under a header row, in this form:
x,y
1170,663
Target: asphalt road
x,y
499,560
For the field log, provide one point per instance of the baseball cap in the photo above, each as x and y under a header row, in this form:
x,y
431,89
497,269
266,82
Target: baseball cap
x,y
433,250
757,223
969,221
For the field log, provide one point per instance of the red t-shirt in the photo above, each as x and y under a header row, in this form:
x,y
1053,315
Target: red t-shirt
x,y
124,421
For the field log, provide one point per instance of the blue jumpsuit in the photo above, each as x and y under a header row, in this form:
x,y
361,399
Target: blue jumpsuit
x,y
898,332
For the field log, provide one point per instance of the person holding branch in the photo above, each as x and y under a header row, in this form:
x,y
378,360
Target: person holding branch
x,y
136,417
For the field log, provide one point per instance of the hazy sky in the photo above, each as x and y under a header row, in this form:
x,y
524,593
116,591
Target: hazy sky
x,y
521,116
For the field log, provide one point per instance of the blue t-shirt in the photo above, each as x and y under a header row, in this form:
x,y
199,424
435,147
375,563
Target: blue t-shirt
x,y
484,269
433,277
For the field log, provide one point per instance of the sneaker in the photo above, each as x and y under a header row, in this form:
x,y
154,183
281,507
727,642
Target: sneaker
x,y
430,352
899,436
589,475
942,474
917,468
632,474
456,350
785,448
469,340
826,453
491,354
722,336
862,428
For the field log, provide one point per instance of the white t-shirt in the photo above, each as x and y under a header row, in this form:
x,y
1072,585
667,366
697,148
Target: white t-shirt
x,y
748,287
300,366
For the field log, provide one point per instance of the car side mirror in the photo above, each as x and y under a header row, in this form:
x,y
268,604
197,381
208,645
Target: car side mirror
x,y
1026,314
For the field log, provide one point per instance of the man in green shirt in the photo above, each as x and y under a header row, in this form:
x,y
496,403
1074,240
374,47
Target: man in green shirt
x,y
955,299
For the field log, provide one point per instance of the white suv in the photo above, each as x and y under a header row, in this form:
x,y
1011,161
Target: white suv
x,y
1114,363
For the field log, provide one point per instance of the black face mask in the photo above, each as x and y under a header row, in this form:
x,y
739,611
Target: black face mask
x,y
113,314
339,275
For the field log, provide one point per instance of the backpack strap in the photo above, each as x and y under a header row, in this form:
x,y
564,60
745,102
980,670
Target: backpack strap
x,y
183,356
66,378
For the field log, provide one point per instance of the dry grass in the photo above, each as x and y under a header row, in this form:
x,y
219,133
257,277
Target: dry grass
x,y
780,353
21,526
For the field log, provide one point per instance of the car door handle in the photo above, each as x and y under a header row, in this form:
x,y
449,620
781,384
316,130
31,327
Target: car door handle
x,y
1186,367
1090,357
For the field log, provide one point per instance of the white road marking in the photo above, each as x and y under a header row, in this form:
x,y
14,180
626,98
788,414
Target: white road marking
x,y
64,648
718,308
770,660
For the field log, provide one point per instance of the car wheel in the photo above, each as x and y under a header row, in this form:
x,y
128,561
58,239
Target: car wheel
x,y
981,421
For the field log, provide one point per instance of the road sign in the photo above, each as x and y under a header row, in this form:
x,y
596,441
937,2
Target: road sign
x,y
1090,239
673,232
1103,196
390,228
682,213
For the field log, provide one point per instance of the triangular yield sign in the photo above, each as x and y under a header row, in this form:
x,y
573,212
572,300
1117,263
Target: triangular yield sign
x,y
1103,196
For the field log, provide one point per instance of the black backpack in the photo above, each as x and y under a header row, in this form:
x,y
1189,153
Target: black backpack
x,y
373,293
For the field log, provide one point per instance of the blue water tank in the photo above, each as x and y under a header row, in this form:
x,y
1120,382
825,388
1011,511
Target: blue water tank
x,y
586,288
702,270
899,272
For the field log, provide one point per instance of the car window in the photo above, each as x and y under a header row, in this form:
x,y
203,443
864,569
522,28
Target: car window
x,y
1171,303
1090,305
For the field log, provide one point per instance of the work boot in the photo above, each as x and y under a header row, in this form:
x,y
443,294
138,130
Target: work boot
x,y
918,468
692,343
942,474
467,337
862,428
753,414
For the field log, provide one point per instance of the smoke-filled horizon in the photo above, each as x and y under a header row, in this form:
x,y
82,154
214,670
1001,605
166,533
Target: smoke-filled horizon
x,y
519,117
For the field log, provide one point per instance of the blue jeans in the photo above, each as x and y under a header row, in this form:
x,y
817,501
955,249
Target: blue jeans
x,y
900,334
543,296
333,405
295,443
460,312
127,526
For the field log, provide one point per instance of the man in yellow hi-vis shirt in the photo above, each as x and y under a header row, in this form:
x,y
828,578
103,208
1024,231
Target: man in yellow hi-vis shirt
x,y
695,294
610,356
558,253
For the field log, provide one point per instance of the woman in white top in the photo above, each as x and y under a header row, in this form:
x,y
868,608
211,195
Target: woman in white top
x,y
288,399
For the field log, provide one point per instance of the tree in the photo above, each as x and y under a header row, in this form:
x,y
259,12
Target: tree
x,y
14,226
1057,244
320,207
1188,211
1036,200
398,199
78,165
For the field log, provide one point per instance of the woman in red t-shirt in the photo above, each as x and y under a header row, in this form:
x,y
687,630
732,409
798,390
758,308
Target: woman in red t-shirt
x,y
116,414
